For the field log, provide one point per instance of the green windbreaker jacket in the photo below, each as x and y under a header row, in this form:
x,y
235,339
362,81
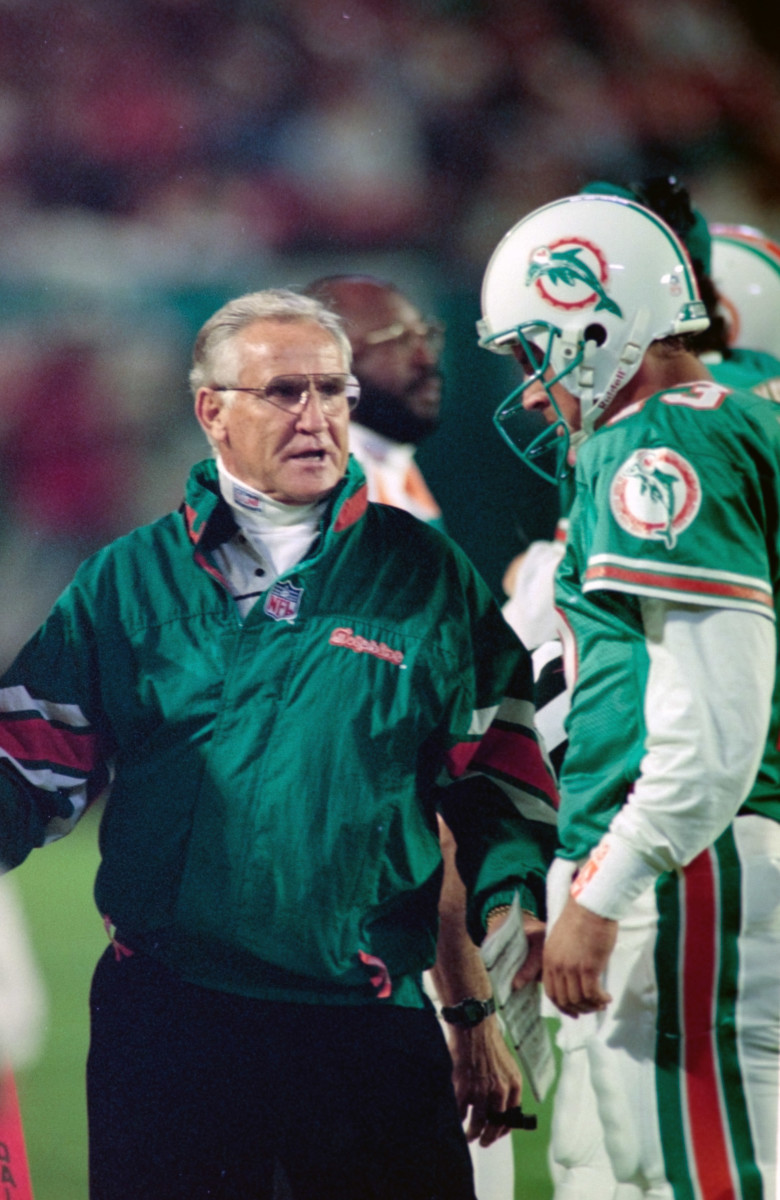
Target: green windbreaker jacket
x,y
270,824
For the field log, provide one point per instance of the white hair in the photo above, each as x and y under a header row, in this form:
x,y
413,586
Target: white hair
x,y
215,350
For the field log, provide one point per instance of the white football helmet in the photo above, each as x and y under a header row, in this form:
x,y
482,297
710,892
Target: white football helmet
x,y
746,272
582,286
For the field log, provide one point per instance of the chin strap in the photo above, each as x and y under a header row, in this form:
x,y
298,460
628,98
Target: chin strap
x,y
627,366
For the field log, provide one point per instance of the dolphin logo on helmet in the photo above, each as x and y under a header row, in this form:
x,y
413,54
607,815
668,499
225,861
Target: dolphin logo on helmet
x,y
566,267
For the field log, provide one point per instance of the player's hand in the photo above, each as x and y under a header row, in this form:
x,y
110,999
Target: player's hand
x,y
532,967
534,932
486,1078
575,956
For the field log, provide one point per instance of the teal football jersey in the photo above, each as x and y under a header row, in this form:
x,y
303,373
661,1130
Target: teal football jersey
x,y
753,370
677,497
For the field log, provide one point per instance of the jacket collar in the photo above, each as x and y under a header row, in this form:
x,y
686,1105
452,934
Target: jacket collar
x,y
210,522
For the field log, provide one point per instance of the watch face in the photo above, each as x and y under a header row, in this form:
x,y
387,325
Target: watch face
x,y
473,1012
468,1012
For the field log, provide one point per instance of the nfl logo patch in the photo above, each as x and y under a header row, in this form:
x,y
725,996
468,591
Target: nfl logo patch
x,y
283,601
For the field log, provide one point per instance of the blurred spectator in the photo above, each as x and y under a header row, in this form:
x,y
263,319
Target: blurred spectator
x,y
370,123
79,435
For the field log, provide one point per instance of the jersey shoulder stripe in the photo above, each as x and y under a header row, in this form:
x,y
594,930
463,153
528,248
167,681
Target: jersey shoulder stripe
x,y
688,584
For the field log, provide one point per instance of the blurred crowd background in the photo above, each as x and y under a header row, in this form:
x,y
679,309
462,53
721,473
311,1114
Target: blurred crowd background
x,y
160,156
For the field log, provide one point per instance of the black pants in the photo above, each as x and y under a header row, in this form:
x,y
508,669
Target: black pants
x,y
194,1093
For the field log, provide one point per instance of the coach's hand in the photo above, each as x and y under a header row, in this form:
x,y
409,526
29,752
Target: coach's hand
x,y
486,1078
575,956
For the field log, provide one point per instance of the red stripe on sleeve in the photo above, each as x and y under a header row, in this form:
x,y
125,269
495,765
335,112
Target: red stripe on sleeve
x,y
511,752
515,753
686,585
459,757
35,740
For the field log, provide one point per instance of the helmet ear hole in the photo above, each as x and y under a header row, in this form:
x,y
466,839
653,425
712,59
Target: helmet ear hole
x,y
596,333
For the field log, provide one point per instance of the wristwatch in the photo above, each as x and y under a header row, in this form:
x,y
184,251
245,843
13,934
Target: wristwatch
x,y
469,1012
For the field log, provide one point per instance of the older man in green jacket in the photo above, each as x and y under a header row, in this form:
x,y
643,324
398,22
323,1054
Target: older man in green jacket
x,y
280,686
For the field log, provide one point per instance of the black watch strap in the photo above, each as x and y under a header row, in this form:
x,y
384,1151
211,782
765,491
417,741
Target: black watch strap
x,y
469,1012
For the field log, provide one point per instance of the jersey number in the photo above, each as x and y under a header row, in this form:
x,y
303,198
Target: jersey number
x,y
698,395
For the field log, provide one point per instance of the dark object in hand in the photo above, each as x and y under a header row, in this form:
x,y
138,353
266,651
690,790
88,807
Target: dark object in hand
x,y
513,1118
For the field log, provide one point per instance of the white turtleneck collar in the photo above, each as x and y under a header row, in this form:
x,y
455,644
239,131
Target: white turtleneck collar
x,y
271,538
254,510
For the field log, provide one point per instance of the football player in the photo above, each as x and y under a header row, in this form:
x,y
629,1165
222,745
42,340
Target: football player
x,y
664,902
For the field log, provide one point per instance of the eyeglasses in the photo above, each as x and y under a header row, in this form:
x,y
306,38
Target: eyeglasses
x,y
335,392
431,332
